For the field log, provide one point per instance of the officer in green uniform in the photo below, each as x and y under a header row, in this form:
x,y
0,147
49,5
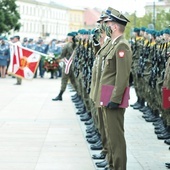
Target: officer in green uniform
x,y
116,71
67,52
105,43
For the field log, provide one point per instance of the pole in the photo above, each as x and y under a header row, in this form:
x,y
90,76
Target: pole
x,y
154,14
135,18
135,15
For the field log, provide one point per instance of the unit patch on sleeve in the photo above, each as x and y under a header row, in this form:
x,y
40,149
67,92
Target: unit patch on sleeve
x,y
121,54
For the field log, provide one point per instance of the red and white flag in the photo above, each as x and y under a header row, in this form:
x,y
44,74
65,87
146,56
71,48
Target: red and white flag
x,y
23,62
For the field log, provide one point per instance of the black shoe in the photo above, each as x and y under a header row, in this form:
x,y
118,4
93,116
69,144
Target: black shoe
x,y
107,168
96,146
80,107
76,100
96,135
152,119
90,130
164,136
99,156
158,122
17,84
85,118
167,141
93,140
89,122
57,98
147,115
143,109
137,106
160,131
167,165
147,112
101,164
85,115
131,105
160,126
90,135
81,111
79,103
74,96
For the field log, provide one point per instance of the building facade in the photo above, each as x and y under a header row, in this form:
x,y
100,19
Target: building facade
x,y
157,6
76,19
40,19
50,20
90,18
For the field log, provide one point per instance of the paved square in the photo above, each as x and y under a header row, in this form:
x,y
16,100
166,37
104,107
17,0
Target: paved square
x,y
37,133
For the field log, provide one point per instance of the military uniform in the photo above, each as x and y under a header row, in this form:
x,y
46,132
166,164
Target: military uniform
x,y
137,47
98,66
116,71
67,52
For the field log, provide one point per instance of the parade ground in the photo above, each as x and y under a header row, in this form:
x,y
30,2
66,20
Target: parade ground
x,y
37,133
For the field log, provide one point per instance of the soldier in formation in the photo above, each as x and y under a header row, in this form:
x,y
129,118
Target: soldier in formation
x,y
97,50
102,57
150,69
67,56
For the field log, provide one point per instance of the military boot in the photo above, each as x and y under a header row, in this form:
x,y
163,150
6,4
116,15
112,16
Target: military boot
x,y
165,134
137,102
59,97
140,104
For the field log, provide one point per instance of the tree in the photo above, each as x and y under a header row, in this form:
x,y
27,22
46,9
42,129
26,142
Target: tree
x,y
9,16
162,21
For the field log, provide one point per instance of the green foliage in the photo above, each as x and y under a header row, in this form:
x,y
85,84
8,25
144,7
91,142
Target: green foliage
x,y
9,16
162,21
